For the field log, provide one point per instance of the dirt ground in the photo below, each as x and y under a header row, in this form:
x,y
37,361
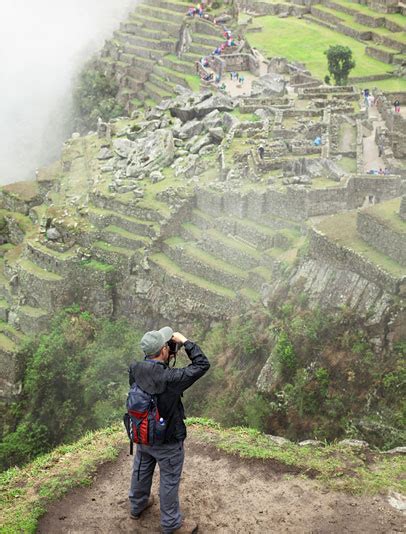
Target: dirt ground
x,y
225,495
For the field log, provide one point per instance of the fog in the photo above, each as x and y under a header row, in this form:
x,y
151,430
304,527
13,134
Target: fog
x,y
43,43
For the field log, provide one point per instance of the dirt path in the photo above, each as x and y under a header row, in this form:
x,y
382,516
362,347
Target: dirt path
x,y
225,495
372,161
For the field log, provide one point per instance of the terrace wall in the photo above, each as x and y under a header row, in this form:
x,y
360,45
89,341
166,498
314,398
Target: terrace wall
x,y
382,237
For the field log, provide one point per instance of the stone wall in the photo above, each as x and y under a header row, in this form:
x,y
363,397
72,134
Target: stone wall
x,y
402,211
382,237
321,247
380,187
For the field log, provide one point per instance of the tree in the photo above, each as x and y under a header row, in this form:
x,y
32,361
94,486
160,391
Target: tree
x,y
340,62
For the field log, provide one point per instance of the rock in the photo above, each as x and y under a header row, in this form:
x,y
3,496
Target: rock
x,y
156,176
396,450
216,102
229,121
212,120
200,143
151,153
278,440
356,443
154,114
222,19
208,149
217,134
53,234
181,90
397,501
186,167
75,135
310,443
190,129
270,85
105,153
123,147
107,168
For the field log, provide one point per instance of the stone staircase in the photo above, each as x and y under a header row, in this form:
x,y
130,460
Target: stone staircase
x,y
143,55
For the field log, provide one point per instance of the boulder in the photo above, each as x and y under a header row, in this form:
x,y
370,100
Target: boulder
x,y
229,121
156,176
53,234
269,85
200,143
216,102
186,167
190,128
217,134
123,147
212,120
105,153
151,153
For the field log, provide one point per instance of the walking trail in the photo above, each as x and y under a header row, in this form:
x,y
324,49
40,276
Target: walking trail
x,y
226,495
372,161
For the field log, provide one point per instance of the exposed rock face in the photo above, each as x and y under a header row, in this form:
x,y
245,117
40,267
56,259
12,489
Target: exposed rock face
x,y
189,108
151,153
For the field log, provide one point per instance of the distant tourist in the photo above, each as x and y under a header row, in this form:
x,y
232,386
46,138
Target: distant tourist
x,y
317,141
261,151
397,105
371,100
366,95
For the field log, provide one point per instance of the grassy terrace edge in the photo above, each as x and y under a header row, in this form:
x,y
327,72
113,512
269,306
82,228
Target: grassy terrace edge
x,y
26,492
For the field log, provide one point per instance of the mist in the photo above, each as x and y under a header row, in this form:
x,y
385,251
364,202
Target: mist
x,y
43,44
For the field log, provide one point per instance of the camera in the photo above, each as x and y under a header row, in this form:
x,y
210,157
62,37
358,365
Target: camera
x,y
173,347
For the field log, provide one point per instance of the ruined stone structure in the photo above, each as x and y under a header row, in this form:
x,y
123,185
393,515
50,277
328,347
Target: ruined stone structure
x,y
198,207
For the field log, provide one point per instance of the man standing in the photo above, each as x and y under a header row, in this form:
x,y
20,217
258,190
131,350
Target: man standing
x,y
154,376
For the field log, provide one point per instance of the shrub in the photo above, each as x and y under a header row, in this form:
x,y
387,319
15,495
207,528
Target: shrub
x,y
94,96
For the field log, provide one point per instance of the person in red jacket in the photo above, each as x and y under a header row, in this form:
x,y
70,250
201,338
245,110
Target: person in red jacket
x,y
154,376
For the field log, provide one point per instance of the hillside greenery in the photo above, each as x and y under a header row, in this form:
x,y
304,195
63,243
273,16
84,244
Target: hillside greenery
x,y
74,379
324,380
94,96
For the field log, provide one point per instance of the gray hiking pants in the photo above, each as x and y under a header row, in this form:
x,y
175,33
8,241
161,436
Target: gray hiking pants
x,y
170,460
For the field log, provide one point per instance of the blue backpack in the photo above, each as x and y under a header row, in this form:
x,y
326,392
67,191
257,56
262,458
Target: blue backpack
x,y
142,421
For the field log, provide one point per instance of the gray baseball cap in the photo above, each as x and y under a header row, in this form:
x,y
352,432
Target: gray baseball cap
x,y
152,342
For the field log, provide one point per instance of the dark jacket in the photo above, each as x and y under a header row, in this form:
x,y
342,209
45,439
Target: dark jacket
x,y
168,384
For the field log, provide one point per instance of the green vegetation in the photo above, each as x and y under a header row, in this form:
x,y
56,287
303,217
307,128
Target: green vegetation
x,y
323,381
94,97
74,379
306,42
340,63
25,492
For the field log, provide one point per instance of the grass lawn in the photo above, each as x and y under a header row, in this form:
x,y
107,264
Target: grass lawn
x,y
392,84
300,40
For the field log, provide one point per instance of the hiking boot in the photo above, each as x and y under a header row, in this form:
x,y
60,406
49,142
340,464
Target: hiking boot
x,y
151,500
188,527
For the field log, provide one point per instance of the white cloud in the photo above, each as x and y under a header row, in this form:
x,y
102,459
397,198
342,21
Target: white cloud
x,y
42,42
